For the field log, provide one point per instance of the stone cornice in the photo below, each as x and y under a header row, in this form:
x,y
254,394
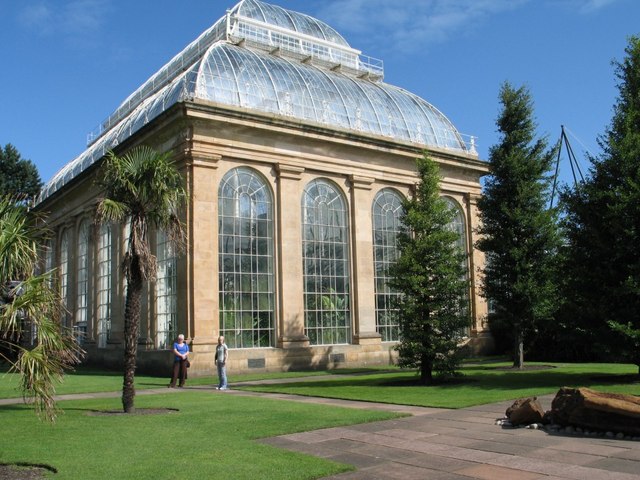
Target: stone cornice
x,y
360,182
291,172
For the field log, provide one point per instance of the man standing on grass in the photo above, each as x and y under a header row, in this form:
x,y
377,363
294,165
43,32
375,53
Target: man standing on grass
x,y
222,352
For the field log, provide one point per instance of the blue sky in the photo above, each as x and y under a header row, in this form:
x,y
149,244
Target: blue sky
x,y
67,64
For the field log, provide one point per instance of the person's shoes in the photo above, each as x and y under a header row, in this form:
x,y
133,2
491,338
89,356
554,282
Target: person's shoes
x,y
171,386
224,388
181,385
217,388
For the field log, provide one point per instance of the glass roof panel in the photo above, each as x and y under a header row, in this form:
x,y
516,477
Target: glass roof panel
x,y
276,85
289,20
310,80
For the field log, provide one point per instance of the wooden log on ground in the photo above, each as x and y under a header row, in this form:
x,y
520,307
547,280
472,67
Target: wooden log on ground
x,y
525,411
586,408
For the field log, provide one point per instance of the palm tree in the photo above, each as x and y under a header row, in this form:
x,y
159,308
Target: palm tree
x,y
29,304
144,189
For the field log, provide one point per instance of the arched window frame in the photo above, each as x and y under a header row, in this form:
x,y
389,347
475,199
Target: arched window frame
x,y
82,281
326,270
103,284
246,259
64,271
166,292
458,225
386,213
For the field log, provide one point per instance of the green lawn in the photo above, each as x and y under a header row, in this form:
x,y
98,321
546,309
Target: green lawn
x,y
211,436
480,383
86,379
213,433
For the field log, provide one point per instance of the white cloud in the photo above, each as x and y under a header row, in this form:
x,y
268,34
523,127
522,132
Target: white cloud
x,y
68,18
84,15
412,24
590,6
36,16
409,25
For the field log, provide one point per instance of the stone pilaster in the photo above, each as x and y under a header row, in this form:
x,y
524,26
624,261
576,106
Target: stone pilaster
x,y
290,274
364,311
198,281
479,305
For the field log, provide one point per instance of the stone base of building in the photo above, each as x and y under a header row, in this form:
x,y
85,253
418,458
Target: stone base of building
x,y
159,362
263,360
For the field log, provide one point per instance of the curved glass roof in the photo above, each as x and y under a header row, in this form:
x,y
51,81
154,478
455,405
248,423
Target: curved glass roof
x,y
276,16
245,78
263,58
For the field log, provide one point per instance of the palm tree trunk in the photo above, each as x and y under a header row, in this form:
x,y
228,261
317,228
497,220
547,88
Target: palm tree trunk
x,y
131,329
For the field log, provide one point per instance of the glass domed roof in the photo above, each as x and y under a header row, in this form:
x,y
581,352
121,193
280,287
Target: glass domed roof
x,y
266,59
288,20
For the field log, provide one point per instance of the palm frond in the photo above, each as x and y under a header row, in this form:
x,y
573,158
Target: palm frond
x,y
110,210
18,252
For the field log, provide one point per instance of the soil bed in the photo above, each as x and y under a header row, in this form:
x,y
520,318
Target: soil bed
x,y
23,471
138,411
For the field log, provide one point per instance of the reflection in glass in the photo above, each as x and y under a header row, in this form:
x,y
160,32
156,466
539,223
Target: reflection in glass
x,y
325,264
64,273
166,292
245,248
82,282
104,285
387,213
457,225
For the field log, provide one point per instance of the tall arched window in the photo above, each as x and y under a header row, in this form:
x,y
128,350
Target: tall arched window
x,y
245,247
166,292
104,285
325,252
387,213
458,226
64,272
82,281
50,258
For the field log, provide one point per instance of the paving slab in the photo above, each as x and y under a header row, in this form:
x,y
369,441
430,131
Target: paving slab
x,y
467,444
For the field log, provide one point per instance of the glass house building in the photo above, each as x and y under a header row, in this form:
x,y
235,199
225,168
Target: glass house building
x,y
296,156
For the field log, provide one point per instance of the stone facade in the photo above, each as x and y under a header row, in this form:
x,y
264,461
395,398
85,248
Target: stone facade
x,y
209,142
304,123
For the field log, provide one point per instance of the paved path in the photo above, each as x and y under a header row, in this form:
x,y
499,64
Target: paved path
x,y
466,444
443,444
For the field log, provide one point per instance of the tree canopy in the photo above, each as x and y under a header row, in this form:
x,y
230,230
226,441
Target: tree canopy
x,y
431,278
519,234
20,178
602,225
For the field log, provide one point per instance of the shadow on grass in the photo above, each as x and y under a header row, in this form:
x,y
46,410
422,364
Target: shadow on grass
x,y
498,378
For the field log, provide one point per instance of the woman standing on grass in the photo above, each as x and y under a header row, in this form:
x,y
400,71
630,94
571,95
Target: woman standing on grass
x,y
180,362
222,352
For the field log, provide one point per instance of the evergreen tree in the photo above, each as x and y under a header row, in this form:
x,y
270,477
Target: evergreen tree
x,y
603,227
20,178
430,277
518,232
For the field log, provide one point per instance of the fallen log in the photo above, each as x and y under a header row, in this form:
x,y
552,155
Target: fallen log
x,y
586,408
525,411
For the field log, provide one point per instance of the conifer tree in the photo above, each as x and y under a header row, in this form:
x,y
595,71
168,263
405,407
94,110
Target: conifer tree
x,y
430,277
603,227
519,235
20,178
